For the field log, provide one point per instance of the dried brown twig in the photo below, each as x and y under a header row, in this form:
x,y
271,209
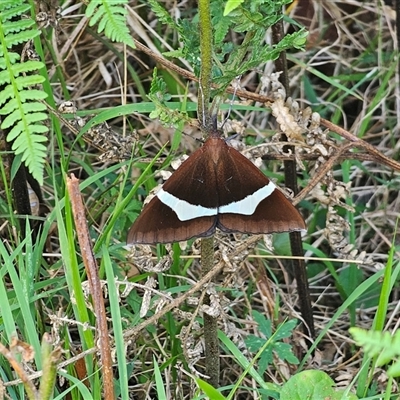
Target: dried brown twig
x,y
94,284
356,142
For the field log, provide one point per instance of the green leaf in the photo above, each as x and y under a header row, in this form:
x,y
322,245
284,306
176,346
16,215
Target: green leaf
x,y
11,9
232,5
209,391
310,385
265,360
20,99
27,66
12,58
394,370
163,15
286,329
264,324
373,342
160,385
15,109
16,164
379,344
16,26
21,37
111,18
32,94
254,343
285,352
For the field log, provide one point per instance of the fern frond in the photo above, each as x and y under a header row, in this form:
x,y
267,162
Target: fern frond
x,y
373,342
379,344
10,8
21,107
111,16
163,16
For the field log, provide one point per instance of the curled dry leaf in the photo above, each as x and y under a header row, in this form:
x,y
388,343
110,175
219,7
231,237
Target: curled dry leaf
x,y
176,163
211,311
286,121
192,348
319,148
141,257
214,309
184,316
148,289
19,347
164,264
236,126
235,335
162,301
269,244
270,84
334,232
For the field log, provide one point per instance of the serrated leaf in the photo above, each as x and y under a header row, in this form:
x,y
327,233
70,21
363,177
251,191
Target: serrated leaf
x,y
7,14
285,352
264,324
12,57
21,37
33,153
33,94
163,16
17,26
91,7
17,69
22,111
386,356
285,330
16,115
21,145
254,343
221,29
39,129
111,18
102,23
20,126
15,105
97,16
6,94
28,80
8,109
373,342
173,54
265,360
4,77
27,66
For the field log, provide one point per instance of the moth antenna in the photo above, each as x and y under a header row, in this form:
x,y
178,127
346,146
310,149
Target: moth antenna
x,y
236,85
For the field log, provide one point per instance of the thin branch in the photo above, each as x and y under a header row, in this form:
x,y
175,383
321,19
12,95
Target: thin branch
x,y
360,143
206,46
92,271
211,344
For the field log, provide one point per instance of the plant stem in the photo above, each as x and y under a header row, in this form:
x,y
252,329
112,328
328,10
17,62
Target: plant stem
x,y
210,323
299,266
206,43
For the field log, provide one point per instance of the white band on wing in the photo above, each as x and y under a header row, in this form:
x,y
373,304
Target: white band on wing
x,y
186,211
